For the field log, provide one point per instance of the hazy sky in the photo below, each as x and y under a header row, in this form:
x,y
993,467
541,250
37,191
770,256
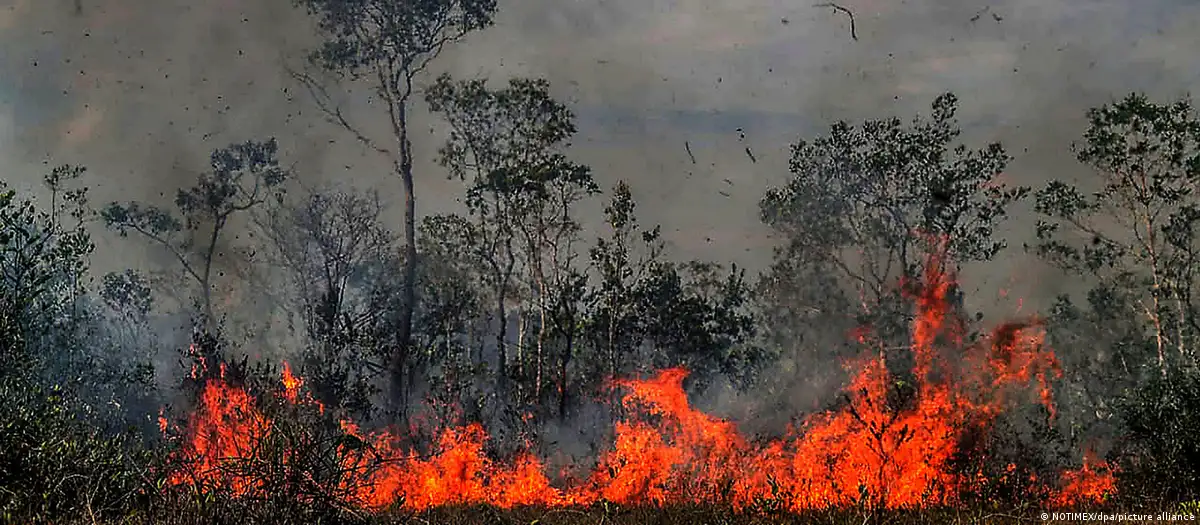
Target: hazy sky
x,y
141,90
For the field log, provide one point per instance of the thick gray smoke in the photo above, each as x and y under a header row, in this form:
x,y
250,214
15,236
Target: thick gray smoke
x,y
141,92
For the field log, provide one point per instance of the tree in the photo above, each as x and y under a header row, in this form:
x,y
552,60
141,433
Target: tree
x,y
692,316
328,243
452,315
451,292
387,44
869,203
619,265
651,313
507,145
242,177
1136,233
43,262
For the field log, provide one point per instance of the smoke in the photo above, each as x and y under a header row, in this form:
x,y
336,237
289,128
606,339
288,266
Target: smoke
x,y
141,93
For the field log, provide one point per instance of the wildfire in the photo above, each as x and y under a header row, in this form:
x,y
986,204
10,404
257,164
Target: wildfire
x,y
868,452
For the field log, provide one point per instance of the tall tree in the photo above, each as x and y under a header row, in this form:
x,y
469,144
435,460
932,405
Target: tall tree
x,y
387,44
507,144
1137,233
241,177
1131,230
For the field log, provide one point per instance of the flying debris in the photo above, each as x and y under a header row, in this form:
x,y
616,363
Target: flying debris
x,y
987,9
687,146
742,138
850,14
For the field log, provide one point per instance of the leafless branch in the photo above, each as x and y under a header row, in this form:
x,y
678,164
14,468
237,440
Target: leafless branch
x,y
333,112
836,7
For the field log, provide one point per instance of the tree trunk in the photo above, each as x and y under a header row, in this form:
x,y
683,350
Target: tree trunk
x,y
1156,291
210,324
521,320
410,238
501,349
408,303
541,336
562,373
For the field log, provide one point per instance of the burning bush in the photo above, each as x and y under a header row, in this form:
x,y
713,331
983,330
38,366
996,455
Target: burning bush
x,y
277,448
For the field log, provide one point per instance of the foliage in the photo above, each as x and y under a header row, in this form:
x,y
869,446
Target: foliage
x,y
330,244
59,456
883,187
866,207
1160,453
241,177
1136,232
392,38
1133,238
868,204
648,313
506,145
520,312
43,266
54,466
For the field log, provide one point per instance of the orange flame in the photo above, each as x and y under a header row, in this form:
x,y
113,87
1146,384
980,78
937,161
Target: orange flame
x,y
1092,482
868,452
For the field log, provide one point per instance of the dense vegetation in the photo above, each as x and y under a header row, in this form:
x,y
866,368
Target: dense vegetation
x,y
513,315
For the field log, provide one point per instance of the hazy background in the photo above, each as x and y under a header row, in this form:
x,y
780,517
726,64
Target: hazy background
x,y
140,92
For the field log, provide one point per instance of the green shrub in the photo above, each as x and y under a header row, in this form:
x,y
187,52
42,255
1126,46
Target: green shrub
x,y
54,466
1161,453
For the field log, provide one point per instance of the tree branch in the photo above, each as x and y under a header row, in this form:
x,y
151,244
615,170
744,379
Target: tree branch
x,y
332,111
836,7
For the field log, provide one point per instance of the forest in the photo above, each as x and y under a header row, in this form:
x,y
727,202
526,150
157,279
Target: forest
x,y
509,364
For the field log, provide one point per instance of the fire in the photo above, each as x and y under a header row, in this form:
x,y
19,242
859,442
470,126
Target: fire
x,y
869,452
291,383
225,428
1090,483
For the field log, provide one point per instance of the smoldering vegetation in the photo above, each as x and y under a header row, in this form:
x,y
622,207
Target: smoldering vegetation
x,y
304,348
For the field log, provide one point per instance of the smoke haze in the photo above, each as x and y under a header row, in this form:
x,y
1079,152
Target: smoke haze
x,y
140,92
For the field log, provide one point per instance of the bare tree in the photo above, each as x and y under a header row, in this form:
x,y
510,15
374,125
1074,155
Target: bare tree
x,y
326,243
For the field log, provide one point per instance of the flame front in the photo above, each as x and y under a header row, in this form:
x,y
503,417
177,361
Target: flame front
x,y
867,452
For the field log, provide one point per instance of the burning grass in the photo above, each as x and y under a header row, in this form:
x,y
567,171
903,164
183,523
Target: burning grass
x,y
871,454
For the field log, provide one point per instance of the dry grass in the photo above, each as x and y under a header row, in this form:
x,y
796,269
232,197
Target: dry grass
x,y
262,513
